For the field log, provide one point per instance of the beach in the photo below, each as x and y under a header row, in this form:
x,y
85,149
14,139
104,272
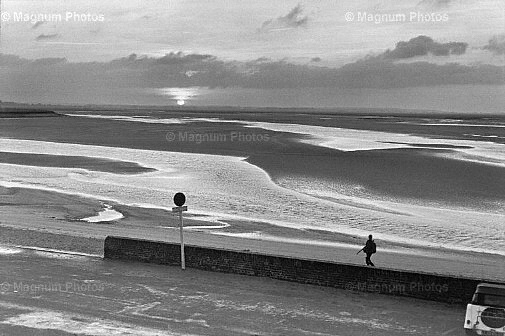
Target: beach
x,y
342,167
311,185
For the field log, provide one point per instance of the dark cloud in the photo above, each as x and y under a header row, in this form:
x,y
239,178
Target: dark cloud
x,y
496,45
38,24
125,77
262,60
422,46
48,61
45,37
396,75
293,19
172,70
180,58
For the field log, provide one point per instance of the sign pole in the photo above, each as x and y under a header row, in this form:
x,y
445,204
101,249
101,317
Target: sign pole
x,y
179,200
181,225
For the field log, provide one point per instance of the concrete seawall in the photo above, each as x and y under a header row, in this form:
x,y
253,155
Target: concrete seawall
x,y
427,286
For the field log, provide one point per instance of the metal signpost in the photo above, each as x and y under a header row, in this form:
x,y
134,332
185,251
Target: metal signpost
x,y
179,200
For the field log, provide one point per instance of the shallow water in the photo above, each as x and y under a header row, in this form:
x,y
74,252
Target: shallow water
x,y
107,214
359,140
230,188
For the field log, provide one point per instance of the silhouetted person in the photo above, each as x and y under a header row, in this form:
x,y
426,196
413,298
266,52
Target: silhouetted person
x,y
369,249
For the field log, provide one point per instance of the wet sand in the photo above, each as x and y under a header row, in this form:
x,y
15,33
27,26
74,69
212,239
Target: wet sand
x,y
51,220
422,178
434,180
409,174
63,161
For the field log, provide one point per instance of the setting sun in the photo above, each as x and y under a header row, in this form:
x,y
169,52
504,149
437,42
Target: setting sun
x,y
180,96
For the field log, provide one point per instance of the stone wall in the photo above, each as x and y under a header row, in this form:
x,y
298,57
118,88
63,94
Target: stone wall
x,y
323,273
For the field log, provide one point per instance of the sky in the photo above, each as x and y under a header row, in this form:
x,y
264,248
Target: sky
x,y
432,54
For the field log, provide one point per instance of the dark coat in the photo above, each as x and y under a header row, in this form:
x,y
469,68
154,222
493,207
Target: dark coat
x,y
369,247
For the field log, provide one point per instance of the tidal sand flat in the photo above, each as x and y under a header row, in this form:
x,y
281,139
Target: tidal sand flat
x,y
403,193
68,161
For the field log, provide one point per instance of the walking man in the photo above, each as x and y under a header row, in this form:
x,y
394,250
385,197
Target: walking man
x,y
369,249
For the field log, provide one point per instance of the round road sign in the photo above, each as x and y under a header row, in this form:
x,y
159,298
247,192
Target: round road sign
x,y
179,199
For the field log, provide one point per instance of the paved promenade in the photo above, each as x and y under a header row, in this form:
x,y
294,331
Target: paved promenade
x,y
57,294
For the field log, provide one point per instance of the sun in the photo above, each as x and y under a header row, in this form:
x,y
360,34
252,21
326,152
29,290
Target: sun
x,y
180,102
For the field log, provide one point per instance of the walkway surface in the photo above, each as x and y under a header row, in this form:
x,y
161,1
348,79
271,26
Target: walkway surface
x,y
59,294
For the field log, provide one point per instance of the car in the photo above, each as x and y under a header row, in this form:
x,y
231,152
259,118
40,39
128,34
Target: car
x,y
485,315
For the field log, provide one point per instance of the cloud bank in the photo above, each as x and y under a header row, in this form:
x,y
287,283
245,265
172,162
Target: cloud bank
x,y
126,76
422,46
